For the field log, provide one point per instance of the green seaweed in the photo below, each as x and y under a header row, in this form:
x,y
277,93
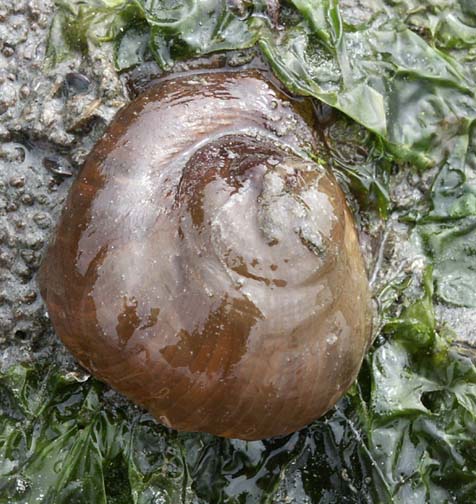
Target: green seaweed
x,y
404,433
403,76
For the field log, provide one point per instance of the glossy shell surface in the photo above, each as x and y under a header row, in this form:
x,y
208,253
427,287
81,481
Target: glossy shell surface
x,y
206,267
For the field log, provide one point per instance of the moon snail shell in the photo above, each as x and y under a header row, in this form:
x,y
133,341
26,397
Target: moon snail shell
x,y
206,267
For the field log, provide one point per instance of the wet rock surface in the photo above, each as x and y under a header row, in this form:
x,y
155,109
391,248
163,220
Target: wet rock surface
x,y
49,119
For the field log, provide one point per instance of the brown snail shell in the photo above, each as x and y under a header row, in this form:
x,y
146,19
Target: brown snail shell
x,y
205,267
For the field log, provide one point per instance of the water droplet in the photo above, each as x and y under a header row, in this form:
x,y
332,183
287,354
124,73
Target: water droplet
x,y
331,339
